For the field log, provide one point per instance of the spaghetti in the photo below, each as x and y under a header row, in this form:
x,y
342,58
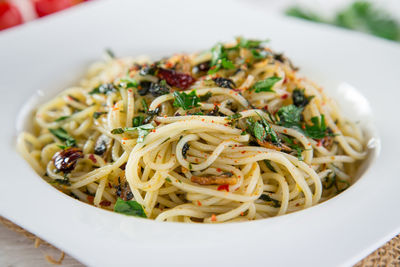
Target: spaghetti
x,y
229,134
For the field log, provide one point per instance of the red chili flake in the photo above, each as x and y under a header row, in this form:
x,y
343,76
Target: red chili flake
x,y
242,213
92,158
243,152
105,203
90,199
219,170
285,80
266,107
213,218
169,64
109,185
284,96
284,130
202,119
196,159
198,203
223,187
303,126
174,78
319,142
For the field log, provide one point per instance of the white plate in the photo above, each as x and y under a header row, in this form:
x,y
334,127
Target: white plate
x,y
51,53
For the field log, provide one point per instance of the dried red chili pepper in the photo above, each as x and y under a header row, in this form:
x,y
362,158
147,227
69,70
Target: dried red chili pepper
x,y
174,78
66,159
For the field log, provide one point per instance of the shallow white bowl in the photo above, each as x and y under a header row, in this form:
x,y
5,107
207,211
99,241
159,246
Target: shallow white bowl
x,y
52,53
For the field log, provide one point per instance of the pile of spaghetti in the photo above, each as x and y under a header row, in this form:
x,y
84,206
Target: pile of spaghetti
x,y
229,134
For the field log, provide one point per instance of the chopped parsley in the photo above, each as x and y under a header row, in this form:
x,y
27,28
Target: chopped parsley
x,y
205,97
62,118
129,207
293,145
63,136
266,85
143,131
137,121
262,130
269,165
299,98
219,59
186,101
104,89
290,117
144,105
129,82
234,117
267,198
168,180
97,114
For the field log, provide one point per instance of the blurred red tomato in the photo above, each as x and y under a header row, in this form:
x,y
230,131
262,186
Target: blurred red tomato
x,y
46,7
9,15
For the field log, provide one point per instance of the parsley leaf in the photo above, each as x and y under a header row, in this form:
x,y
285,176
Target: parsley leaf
x,y
219,59
97,114
269,165
266,85
186,101
267,198
298,149
318,128
234,117
248,43
205,97
299,98
137,121
144,105
104,89
290,116
143,131
129,82
63,136
62,118
262,130
129,207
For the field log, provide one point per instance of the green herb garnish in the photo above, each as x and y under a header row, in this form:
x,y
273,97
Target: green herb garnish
x,y
129,207
205,97
62,118
360,16
63,136
97,114
298,149
168,179
266,85
137,121
186,101
299,98
144,105
129,82
219,59
267,198
262,130
234,117
143,131
104,89
269,165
